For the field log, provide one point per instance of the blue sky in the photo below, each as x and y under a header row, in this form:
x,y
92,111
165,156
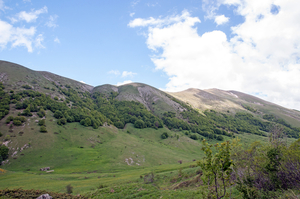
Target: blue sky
x,y
245,45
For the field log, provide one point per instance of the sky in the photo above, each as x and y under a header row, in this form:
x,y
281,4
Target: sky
x,y
251,46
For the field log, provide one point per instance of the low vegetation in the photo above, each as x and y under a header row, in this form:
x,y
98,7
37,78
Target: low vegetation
x,y
102,147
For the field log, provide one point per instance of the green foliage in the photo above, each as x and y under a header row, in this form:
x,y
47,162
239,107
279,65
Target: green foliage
x,y
4,152
20,193
42,122
26,86
58,114
43,129
194,137
41,113
139,124
1,134
164,135
217,168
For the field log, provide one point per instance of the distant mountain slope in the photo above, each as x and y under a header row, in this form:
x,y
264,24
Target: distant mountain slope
x,y
14,76
155,100
221,100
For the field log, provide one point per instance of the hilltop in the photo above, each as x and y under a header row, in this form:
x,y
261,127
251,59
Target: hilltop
x,y
105,135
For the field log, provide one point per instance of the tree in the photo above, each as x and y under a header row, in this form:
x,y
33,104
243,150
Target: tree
x,y
41,122
43,129
58,114
216,168
3,152
139,124
164,135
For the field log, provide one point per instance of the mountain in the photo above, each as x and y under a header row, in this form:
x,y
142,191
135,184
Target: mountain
x,y
158,102
14,76
235,101
105,135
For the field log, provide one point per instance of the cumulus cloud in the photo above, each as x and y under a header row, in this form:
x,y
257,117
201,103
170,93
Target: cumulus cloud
x,y
29,16
262,58
126,74
125,82
17,36
51,23
221,19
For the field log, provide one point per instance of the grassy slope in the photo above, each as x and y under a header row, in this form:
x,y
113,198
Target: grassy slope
x,y
155,100
220,100
13,76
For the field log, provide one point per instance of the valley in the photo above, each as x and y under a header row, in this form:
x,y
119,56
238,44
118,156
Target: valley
x,y
132,140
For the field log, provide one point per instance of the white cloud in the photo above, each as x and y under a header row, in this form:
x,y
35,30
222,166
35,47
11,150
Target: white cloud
x,y
52,21
38,41
17,36
56,40
114,72
131,14
82,82
221,19
126,74
30,16
263,56
125,82
162,22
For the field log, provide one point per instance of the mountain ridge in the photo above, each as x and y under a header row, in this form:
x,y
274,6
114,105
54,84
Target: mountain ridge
x,y
14,76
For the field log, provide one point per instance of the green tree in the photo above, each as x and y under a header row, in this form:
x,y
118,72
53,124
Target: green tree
x,y
216,168
3,152
41,122
43,129
139,124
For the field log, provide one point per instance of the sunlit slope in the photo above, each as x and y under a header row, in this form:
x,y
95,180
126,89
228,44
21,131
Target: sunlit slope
x,y
155,100
14,76
223,101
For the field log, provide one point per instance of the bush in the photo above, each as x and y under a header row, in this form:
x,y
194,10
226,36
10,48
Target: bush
x,y
43,129
3,152
139,124
17,122
164,135
119,125
194,137
220,138
41,122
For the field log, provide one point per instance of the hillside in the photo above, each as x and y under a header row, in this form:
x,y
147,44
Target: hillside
x,y
14,76
223,101
158,102
97,137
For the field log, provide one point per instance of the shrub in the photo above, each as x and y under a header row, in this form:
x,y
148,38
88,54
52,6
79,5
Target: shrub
x,y
194,137
3,152
164,135
41,122
43,129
